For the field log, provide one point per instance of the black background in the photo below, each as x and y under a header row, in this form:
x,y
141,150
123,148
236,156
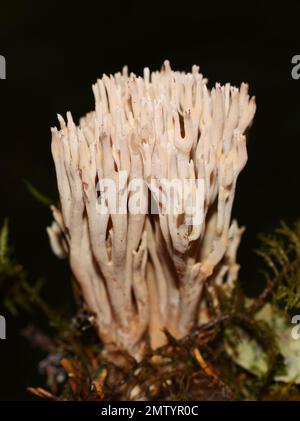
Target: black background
x,y
56,50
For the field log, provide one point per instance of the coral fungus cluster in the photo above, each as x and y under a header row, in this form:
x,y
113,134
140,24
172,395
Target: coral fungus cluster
x,y
143,272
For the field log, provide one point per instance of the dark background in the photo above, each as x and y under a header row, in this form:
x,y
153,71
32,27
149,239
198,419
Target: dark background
x,y
56,50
